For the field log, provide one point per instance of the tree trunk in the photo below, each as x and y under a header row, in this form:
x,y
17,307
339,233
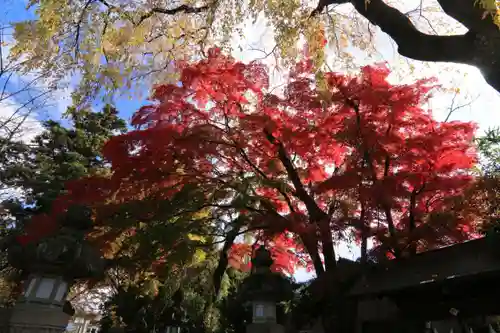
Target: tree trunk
x,y
479,46
327,244
312,250
364,236
218,274
412,246
223,261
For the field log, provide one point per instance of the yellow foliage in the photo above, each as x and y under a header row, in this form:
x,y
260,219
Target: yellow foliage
x,y
204,213
126,46
491,8
199,256
323,90
315,37
194,237
488,5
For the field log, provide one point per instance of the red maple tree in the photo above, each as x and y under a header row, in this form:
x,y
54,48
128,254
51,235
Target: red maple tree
x,y
301,171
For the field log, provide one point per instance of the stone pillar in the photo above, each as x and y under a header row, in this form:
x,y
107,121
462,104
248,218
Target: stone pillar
x,y
85,325
264,318
35,318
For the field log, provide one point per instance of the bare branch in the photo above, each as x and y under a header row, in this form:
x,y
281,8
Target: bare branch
x,y
1,53
453,108
79,25
181,9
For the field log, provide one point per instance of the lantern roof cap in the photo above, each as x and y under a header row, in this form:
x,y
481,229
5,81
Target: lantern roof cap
x,y
65,252
262,259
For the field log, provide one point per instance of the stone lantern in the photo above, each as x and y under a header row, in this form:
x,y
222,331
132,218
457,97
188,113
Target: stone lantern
x,y
263,289
176,315
52,265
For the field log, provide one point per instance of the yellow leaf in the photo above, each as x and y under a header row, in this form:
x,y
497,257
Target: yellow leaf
x,y
201,214
194,237
199,256
344,42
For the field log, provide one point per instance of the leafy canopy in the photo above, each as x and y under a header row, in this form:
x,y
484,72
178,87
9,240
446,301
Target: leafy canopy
x,y
359,158
120,45
489,147
41,167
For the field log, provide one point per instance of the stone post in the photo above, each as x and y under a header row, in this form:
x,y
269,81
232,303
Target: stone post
x,y
52,264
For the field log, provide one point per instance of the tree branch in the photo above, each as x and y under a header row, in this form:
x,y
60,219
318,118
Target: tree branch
x,y
181,9
313,209
316,214
411,42
453,108
1,53
469,13
260,172
78,27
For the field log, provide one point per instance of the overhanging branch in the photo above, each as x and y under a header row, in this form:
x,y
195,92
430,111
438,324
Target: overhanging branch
x,y
411,42
469,13
181,9
479,47
315,212
79,26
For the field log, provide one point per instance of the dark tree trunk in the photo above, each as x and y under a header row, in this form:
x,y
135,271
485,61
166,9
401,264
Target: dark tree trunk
x,y
412,246
327,245
218,274
223,261
479,47
364,236
312,249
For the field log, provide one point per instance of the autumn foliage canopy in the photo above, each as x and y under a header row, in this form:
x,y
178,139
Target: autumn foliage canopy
x,y
358,158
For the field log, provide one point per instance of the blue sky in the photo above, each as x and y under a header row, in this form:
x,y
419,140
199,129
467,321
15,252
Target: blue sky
x,y
15,11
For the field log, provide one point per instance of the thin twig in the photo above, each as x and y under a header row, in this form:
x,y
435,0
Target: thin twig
x,y
78,27
181,9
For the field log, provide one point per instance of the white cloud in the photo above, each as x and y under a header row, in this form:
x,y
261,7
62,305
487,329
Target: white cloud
x,y
17,124
18,121
26,87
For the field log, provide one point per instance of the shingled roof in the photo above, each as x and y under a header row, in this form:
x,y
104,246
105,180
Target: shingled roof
x,y
480,256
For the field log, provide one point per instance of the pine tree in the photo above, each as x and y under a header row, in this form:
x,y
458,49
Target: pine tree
x,y
39,169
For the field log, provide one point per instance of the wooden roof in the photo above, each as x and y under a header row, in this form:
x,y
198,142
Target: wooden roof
x,y
475,257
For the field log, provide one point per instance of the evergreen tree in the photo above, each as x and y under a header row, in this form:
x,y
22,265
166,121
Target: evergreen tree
x,y
42,167
38,171
487,195
489,148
